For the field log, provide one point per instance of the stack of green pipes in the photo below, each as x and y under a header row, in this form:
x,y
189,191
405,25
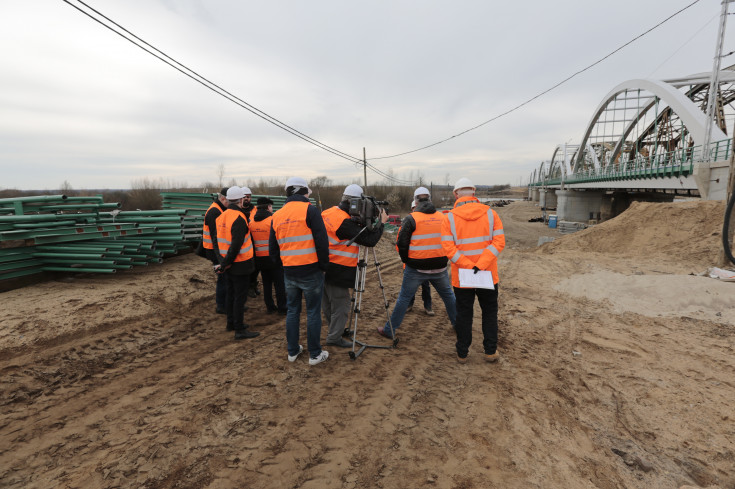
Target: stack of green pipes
x,y
56,233
197,204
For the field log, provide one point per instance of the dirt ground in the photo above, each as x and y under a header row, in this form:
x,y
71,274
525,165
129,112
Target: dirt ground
x,y
617,370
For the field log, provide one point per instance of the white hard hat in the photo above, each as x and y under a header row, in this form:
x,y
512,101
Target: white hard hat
x,y
235,193
296,182
246,191
464,183
421,191
353,190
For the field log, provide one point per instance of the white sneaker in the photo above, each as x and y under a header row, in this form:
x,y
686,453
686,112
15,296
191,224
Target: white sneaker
x,y
322,356
293,358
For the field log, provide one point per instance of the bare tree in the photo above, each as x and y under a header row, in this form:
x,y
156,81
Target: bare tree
x,y
220,174
66,188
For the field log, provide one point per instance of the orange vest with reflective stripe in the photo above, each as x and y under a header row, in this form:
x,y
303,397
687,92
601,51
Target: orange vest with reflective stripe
x,y
472,238
426,240
224,236
261,231
295,241
339,252
206,237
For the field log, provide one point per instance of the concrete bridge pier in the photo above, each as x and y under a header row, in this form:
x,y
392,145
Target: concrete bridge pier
x,y
547,198
578,206
535,194
616,203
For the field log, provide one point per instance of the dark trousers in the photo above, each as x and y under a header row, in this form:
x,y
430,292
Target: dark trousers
x,y
425,296
488,300
273,279
237,294
254,279
220,295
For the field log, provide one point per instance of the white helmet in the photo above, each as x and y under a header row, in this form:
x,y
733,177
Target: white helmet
x,y
235,193
464,183
421,191
296,182
246,191
353,191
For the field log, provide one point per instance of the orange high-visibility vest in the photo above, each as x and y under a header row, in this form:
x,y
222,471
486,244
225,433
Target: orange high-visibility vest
x,y
339,252
426,240
260,231
294,237
224,236
206,237
476,242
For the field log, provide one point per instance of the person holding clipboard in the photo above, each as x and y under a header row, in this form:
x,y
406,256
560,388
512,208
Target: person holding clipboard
x,y
472,238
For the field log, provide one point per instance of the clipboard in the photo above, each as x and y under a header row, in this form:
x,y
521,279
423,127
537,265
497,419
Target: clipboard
x,y
480,280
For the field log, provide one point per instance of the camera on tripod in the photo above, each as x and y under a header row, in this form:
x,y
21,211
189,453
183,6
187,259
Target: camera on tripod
x,y
365,209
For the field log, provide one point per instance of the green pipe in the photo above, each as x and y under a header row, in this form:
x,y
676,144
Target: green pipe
x,y
19,273
36,198
78,270
80,248
165,212
100,263
45,224
68,255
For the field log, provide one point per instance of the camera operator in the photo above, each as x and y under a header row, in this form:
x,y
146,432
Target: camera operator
x,y
340,276
419,245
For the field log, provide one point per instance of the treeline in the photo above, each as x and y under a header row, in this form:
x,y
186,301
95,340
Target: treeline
x,y
145,193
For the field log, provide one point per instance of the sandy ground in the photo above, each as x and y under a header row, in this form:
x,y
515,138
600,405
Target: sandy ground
x,y
617,370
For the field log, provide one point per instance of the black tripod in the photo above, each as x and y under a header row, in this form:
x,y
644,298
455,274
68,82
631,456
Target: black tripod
x,y
356,302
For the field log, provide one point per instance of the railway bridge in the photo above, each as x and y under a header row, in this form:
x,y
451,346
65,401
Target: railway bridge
x,y
645,141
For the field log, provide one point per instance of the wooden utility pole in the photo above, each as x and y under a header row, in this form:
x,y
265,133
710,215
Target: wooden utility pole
x,y
364,169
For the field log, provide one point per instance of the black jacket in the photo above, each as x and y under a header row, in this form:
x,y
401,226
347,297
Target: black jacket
x,y
341,275
321,243
239,231
404,240
263,262
210,220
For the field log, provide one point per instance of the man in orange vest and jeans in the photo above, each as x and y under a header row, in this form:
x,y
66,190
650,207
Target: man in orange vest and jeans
x,y
209,236
420,247
299,241
473,237
260,229
340,276
235,249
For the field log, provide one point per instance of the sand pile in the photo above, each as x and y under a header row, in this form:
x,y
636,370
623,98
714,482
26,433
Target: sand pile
x,y
686,232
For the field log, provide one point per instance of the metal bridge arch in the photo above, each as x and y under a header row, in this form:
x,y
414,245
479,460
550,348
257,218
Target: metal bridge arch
x,y
693,118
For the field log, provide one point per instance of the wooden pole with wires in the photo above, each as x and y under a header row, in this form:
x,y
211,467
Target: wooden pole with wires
x,y
364,169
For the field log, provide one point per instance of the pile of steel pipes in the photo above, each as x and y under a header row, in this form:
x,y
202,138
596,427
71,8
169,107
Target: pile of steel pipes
x,y
56,233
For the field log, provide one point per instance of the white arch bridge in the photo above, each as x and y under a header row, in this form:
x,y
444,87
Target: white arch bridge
x,y
644,142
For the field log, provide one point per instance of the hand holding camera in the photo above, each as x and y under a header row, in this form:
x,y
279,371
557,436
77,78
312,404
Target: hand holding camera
x,y
383,216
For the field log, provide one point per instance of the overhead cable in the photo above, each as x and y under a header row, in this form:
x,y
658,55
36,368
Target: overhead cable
x,y
207,83
542,93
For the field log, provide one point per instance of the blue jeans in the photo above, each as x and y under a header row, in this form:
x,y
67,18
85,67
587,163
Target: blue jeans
x,y
311,288
412,278
425,296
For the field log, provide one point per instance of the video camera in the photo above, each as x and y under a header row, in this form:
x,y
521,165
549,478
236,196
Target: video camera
x,y
364,210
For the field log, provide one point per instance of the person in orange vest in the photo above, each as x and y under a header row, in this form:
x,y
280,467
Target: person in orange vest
x,y
260,230
419,245
249,210
298,240
473,237
425,289
235,249
340,276
209,235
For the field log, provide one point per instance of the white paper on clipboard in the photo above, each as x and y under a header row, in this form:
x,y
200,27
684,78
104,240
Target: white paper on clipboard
x,y
480,280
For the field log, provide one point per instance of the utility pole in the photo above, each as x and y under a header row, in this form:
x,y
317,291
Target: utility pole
x,y
364,168
714,86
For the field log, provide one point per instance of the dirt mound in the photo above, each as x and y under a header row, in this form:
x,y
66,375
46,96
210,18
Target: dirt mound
x,y
686,232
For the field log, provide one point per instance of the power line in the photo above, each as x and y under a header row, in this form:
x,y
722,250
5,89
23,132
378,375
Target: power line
x,y
542,93
207,83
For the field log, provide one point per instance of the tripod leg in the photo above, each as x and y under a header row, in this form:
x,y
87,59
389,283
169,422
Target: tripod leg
x,y
385,298
359,289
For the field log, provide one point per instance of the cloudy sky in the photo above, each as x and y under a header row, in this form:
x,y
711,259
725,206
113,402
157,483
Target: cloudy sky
x,y
80,104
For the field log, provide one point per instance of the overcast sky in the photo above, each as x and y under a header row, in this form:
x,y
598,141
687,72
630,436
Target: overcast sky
x,y
80,104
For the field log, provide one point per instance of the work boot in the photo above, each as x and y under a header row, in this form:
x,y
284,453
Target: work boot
x,y
461,360
492,357
244,334
341,342
220,310
429,311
